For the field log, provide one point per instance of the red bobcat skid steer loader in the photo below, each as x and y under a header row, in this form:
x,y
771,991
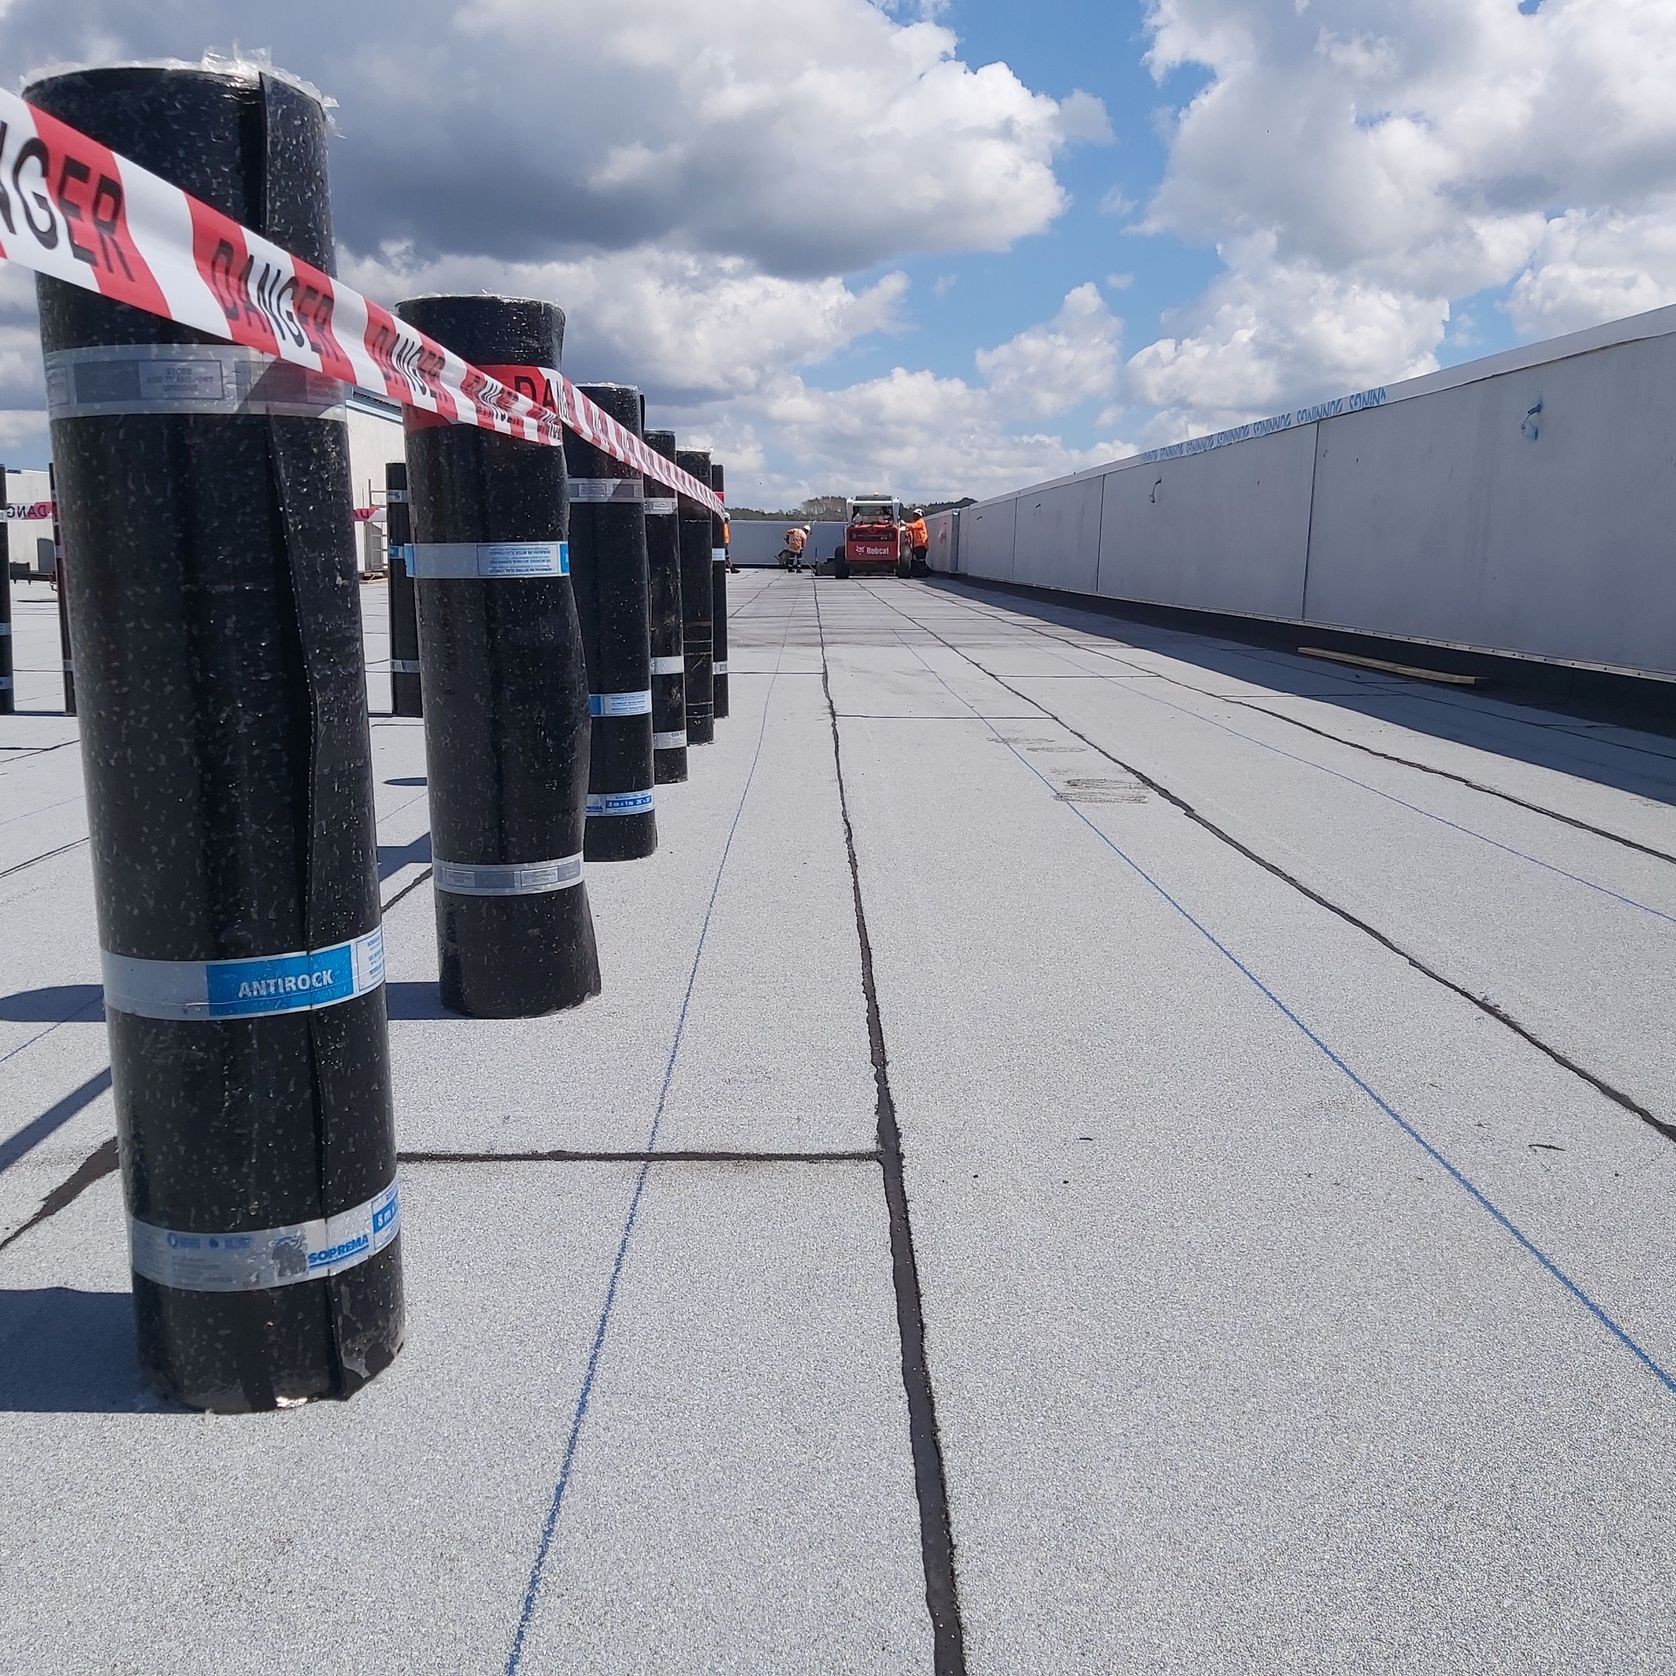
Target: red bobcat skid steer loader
x,y
875,538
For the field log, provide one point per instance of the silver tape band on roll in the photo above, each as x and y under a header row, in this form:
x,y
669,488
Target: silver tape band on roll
x,y
486,561
607,489
259,1259
487,878
174,378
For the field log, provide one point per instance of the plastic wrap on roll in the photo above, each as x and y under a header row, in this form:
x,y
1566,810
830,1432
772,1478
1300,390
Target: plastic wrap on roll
x,y
505,684
205,500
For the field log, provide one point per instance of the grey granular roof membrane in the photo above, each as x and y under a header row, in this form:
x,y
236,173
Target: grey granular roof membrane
x,y
1277,1068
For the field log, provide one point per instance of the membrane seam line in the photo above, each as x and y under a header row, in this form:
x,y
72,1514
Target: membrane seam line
x,y
1458,1176
1464,780
1350,779
1376,688
98,1164
673,1155
38,750
532,1591
942,1595
1616,1095
45,855
51,1199
1357,745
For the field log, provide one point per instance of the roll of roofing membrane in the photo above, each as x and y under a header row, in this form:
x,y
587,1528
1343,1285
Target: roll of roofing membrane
x,y
697,619
505,685
8,699
669,669
718,597
608,573
205,499
62,591
405,695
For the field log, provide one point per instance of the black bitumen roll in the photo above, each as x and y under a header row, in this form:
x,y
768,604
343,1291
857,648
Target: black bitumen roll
x,y
224,742
696,611
405,695
61,588
718,597
8,699
609,575
506,689
669,668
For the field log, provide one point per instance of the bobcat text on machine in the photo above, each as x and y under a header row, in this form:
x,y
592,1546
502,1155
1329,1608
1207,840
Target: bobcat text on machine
x,y
875,537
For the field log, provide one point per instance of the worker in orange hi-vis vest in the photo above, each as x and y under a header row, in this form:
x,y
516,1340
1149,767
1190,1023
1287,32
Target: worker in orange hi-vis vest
x,y
727,545
919,538
791,555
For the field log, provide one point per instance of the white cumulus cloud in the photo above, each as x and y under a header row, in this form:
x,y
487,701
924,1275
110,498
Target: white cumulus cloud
x,y
1051,368
1360,164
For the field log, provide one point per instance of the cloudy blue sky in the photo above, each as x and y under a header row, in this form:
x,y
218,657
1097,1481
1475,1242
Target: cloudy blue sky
x,y
956,245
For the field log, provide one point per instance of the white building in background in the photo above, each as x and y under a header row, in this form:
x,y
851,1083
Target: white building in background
x,y
24,536
375,439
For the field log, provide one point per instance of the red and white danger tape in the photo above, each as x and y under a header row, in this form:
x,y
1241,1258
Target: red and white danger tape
x,y
27,509
72,208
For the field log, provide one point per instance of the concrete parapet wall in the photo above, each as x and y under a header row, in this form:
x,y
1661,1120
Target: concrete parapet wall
x,y
1524,505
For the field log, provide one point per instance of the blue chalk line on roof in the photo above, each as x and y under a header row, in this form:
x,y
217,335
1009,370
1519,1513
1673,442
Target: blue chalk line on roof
x,y
532,1591
1662,1374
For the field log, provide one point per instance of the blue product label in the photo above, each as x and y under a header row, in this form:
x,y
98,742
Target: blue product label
x,y
524,558
335,1254
280,984
620,704
619,803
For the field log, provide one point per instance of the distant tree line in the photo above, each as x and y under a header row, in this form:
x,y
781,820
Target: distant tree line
x,y
830,509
